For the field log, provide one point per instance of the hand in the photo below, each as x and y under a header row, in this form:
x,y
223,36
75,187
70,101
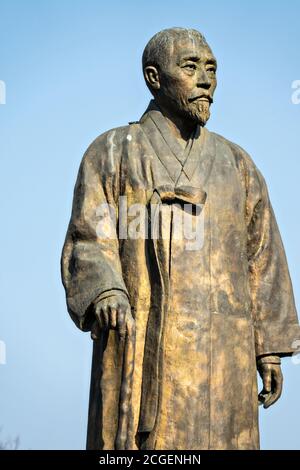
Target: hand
x,y
114,313
272,383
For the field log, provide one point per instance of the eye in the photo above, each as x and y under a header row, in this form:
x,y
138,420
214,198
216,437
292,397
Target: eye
x,y
211,69
190,66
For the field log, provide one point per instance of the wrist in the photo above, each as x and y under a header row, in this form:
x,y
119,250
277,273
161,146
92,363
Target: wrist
x,y
110,293
268,359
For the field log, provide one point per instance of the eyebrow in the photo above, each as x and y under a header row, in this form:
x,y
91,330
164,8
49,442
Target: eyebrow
x,y
211,60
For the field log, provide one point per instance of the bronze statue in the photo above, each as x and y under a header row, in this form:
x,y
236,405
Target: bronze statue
x,y
180,325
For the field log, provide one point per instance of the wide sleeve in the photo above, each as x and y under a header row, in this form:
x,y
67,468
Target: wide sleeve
x,y
90,262
274,313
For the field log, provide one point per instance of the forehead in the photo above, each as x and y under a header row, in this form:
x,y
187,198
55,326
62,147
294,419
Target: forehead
x,y
190,46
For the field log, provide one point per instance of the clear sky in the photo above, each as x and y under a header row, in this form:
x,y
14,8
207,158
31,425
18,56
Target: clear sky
x,y
72,70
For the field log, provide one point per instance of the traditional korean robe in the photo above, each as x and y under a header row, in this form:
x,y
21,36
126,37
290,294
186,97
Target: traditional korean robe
x,y
203,312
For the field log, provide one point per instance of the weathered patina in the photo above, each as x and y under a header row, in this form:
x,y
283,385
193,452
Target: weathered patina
x,y
179,325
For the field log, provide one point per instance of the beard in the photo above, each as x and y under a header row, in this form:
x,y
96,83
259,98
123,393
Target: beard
x,y
197,111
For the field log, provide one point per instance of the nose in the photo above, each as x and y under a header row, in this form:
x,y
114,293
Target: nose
x,y
203,80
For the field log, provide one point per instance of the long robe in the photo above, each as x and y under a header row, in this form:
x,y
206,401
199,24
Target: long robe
x,y
203,315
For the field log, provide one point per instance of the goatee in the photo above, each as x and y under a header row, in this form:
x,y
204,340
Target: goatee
x,y
199,111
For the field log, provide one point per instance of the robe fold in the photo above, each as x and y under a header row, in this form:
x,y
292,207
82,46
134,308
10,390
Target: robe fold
x,y
204,309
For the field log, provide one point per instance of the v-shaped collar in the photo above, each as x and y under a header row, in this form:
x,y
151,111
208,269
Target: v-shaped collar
x,y
175,159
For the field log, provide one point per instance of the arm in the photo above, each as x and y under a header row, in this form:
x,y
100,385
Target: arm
x,y
274,313
90,263
273,306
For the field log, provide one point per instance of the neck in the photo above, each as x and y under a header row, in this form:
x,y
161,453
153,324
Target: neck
x,y
181,127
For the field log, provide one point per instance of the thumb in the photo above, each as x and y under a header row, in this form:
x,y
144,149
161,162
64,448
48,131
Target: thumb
x,y
95,330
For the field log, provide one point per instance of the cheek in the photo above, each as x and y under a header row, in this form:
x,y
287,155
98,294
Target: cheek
x,y
214,85
180,90
177,91
184,90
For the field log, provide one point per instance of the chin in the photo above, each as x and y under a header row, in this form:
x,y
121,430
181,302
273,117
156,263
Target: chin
x,y
199,113
202,119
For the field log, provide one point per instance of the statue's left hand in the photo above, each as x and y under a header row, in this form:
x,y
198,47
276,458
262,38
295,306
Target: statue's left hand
x,y
272,383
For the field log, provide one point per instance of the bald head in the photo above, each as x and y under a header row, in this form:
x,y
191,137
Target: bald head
x,y
161,45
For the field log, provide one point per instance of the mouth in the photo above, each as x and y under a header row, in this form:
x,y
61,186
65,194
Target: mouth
x,y
205,98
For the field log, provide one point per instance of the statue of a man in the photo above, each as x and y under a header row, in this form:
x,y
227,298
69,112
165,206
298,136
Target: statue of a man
x,y
180,327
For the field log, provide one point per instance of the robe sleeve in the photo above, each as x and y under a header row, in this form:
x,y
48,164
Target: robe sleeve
x,y
274,313
90,262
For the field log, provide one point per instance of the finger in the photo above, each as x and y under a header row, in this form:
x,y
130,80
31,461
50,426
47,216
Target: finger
x,y
95,331
277,389
105,316
113,318
98,315
121,326
263,396
272,398
267,380
130,323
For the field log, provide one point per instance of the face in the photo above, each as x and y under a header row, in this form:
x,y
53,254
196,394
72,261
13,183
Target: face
x,y
188,81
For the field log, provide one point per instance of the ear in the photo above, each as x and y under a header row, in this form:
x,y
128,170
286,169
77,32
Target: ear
x,y
152,77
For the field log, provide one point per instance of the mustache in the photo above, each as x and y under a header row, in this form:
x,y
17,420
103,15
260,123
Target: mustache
x,y
198,97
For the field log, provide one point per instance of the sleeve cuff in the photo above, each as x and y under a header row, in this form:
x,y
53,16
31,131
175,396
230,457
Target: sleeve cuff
x,y
277,339
269,359
110,293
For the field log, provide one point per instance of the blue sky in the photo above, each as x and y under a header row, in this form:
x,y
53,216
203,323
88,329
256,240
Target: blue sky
x,y
72,70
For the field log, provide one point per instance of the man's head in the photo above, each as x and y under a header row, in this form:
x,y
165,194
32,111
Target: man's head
x,y
180,71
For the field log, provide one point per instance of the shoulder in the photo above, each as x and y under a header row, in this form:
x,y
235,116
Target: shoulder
x,y
109,140
244,162
105,152
238,151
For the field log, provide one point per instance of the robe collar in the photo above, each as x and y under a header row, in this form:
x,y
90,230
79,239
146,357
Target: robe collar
x,y
173,156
